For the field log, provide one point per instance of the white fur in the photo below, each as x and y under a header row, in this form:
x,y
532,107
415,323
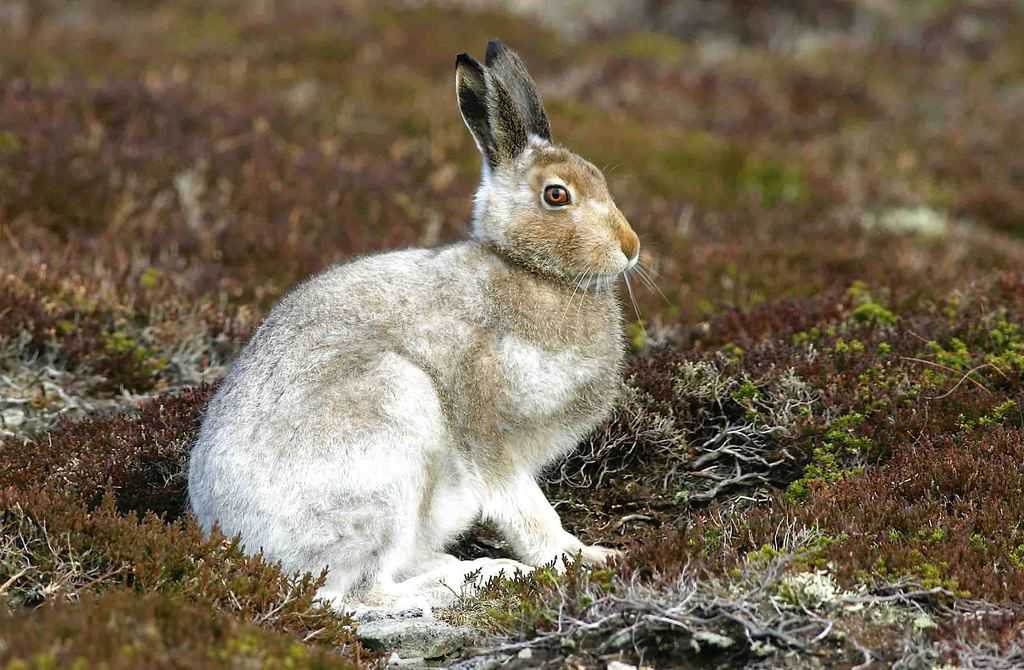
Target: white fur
x,y
312,456
541,382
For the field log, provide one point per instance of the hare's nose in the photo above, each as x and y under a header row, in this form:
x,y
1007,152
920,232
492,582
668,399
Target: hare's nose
x,y
630,244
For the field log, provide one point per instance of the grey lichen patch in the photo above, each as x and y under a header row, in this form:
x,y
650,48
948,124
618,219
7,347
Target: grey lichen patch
x,y
766,610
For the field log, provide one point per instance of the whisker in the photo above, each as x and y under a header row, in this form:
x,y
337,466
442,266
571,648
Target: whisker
x,y
583,296
650,282
576,281
632,299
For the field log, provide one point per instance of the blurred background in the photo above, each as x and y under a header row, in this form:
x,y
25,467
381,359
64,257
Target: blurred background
x,y
156,154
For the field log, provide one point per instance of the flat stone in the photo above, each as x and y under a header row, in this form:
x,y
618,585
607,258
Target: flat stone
x,y
419,637
12,417
396,661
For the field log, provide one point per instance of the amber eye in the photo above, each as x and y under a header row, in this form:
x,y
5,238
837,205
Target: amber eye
x,y
556,196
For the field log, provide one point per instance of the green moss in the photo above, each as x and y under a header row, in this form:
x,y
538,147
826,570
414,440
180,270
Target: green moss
x,y
854,346
809,556
1005,345
873,313
830,457
636,335
933,574
132,363
954,355
931,536
1016,557
746,393
773,183
763,554
867,310
733,353
150,278
997,415
978,542
805,336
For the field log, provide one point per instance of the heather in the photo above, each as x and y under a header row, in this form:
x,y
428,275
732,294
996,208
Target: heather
x,y
816,458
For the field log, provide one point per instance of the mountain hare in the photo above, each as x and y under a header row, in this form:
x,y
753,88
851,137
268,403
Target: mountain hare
x,y
388,403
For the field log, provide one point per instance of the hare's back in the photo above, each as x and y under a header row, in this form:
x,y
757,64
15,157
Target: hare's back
x,y
323,386
337,328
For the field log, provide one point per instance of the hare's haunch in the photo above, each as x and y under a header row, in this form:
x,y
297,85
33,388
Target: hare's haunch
x,y
387,403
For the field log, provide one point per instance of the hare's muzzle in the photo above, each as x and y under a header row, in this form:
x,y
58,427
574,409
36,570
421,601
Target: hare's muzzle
x,y
630,244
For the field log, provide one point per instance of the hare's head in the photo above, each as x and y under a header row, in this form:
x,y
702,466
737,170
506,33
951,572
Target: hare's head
x,y
538,203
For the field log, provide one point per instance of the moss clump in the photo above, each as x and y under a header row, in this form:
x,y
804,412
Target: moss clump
x,y
1005,345
122,630
873,313
62,549
839,446
866,310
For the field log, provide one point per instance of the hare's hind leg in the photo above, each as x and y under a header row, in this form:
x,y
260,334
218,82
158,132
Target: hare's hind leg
x,y
380,430
374,535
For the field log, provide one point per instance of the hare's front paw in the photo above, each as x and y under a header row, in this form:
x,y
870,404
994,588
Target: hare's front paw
x,y
593,554
588,554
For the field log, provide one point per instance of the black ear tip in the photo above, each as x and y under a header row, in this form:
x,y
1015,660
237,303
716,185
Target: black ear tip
x,y
494,49
465,60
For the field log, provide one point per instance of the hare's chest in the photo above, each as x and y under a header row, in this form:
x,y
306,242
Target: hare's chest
x,y
539,382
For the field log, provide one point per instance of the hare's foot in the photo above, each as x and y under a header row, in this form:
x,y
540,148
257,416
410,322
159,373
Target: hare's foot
x,y
568,548
452,579
381,602
595,554
531,524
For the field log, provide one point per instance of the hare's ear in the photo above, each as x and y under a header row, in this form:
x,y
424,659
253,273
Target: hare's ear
x,y
489,111
506,66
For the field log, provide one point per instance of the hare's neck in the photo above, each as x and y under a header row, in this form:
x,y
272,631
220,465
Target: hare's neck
x,y
549,308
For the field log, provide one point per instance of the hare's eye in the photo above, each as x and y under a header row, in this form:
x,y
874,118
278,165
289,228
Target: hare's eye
x,y
556,196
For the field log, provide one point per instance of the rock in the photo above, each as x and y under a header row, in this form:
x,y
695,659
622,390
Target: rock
x,y
12,418
412,638
619,665
712,639
396,661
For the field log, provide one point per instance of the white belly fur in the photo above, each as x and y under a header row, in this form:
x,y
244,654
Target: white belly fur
x,y
541,382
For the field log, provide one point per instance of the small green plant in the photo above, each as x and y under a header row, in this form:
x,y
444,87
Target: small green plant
x,y
998,415
636,335
839,445
867,310
874,314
